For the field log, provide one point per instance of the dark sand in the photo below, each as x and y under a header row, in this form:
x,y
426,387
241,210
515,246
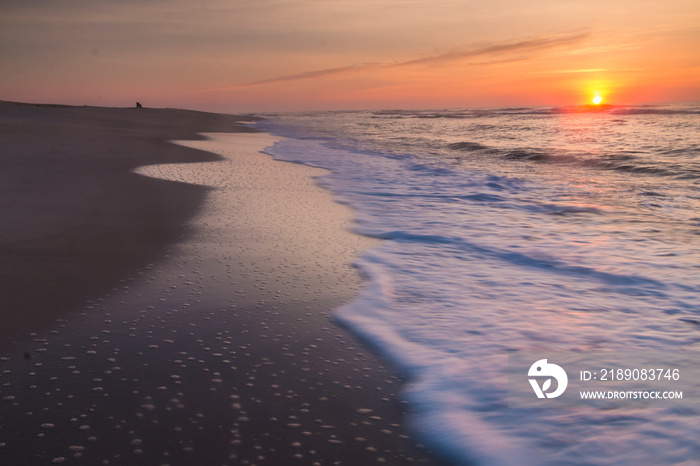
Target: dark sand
x,y
206,342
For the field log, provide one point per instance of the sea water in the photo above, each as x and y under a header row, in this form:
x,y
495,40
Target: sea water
x,y
520,229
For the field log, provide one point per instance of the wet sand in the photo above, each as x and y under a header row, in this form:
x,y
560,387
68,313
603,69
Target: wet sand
x,y
213,344
73,218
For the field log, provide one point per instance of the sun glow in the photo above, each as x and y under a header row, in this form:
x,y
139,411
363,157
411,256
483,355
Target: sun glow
x,y
597,100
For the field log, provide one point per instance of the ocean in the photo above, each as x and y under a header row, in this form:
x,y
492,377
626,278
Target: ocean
x,y
555,229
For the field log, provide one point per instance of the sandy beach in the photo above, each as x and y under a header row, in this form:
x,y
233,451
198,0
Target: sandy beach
x,y
166,305
74,218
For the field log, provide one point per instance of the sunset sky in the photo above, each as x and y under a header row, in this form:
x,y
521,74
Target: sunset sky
x,y
277,55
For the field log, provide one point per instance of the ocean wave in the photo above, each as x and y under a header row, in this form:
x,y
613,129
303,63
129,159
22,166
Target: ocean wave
x,y
635,162
555,248
542,110
549,265
468,146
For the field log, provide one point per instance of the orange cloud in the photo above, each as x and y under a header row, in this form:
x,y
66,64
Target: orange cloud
x,y
529,45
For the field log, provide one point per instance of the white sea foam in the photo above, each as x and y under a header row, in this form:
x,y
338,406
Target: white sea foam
x,y
483,259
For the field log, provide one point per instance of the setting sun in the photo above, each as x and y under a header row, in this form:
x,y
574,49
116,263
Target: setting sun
x,y
597,100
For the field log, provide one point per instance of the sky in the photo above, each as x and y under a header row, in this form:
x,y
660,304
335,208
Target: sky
x,y
286,55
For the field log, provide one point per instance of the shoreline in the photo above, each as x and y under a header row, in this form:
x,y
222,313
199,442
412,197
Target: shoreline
x,y
218,347
75,219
